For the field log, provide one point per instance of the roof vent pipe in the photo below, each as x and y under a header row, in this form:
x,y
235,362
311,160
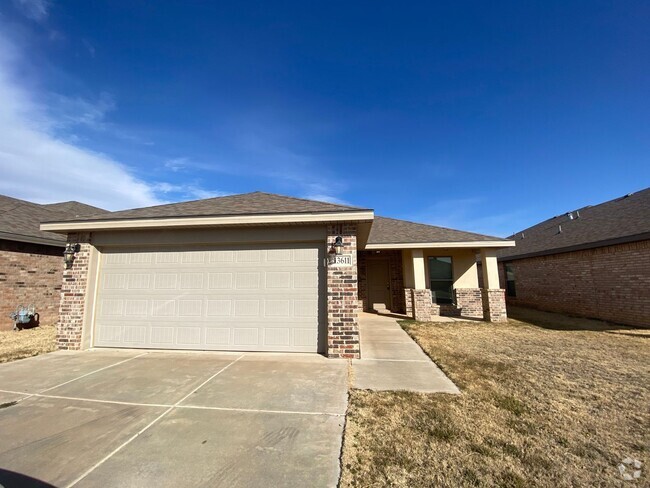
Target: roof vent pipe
x,y
523,236
570,215
559,229
577,214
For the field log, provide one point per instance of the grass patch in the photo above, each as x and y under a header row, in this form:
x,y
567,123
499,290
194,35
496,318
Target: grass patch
x,y
543,403
26,343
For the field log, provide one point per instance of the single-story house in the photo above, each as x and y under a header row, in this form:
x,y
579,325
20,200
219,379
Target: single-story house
x,y
592,262
31,260
262,272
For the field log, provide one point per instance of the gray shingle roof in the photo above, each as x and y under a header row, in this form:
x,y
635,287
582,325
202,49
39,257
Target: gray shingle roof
x,y
20,220
74,209
256,203
623,219
393,231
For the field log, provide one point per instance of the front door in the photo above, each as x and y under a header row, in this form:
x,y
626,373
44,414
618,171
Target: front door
x,y
378,284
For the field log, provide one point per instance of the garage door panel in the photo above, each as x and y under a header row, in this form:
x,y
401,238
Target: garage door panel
x,y
222,299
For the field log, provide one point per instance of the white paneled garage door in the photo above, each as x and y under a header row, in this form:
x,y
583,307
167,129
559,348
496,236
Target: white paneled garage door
x,y
244,298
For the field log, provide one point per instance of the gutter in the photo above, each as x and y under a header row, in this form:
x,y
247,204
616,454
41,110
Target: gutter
x,y
9,236
203,221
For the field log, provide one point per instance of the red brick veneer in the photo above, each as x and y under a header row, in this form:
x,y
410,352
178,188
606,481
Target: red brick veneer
x,y
30,274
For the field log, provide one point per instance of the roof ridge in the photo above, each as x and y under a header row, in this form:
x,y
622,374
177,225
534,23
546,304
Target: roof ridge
x,y
306,199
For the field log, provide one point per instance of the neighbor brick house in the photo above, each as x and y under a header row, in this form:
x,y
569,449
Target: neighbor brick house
x,y
262,272
31,260
592,262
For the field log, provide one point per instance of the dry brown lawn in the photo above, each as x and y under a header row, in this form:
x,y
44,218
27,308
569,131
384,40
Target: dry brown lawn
x,y
546,401
25,343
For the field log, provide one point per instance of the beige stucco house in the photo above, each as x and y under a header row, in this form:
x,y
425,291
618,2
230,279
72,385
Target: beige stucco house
x,y
262,272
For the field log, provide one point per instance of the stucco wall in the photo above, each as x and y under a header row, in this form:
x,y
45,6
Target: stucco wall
x,y
30,274
463,264
609,283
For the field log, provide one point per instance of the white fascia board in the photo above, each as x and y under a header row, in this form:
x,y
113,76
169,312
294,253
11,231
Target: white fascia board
x,y
435,245
176,222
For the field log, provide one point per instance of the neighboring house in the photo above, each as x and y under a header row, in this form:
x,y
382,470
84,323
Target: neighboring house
x,y
31,260
260,272
592,262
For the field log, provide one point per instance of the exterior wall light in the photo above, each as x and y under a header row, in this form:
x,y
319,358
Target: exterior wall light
x,y
68,254
338,245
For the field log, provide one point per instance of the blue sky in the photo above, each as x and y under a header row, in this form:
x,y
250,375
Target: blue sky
x,y
483,116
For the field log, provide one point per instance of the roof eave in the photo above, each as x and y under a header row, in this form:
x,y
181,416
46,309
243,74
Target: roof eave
x,y
578,247
9,236
440,244
210,221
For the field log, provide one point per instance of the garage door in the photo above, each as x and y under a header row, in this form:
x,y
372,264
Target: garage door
x,y
243,298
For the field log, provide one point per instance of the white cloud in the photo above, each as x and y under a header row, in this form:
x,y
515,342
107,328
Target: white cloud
x,y
42,160
176,164
34,9
326,198
187,191
37,165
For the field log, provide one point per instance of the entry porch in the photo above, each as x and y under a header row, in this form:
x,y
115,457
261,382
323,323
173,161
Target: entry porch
x,y
427,282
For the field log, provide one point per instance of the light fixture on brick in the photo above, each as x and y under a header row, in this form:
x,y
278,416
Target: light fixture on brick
x,y
68,254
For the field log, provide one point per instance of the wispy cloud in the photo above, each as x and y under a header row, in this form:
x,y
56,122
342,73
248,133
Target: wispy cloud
x,y
186,191
38,163
176,164
69,111
34,9
326,198
467,214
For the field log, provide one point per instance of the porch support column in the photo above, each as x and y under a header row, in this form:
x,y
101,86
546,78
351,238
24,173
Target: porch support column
x,y
423,308
407,277
494,298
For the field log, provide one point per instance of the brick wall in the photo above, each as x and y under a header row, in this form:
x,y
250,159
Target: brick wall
x,y
342,297
423,307
408,301
73,295
494,305
469,302
609,283
30,274
396,278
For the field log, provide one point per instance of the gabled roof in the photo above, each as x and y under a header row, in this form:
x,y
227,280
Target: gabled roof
x,y
386,231
255,203
20,220
624,219
74,209
259,208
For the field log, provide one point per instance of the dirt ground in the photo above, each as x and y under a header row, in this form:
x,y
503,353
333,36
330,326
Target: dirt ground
x,y
547,400
25,343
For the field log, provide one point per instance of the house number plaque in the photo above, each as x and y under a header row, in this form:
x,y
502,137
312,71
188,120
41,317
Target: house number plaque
x,y
340,260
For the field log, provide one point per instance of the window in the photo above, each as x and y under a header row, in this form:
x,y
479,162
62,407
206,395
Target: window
x,y
441,279
510,281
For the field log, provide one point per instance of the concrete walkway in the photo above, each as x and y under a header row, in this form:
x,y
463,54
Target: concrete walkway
x,y
391,360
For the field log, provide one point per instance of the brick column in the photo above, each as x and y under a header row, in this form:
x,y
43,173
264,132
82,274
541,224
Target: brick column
x,y
73,295
408,301
423,307
342,297
494,305
469,301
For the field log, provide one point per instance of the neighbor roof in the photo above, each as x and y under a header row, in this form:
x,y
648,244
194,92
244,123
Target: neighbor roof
x,y
385,230
255,203
624,219
20,220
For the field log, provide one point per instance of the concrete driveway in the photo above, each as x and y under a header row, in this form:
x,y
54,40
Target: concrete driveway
x,y
127,418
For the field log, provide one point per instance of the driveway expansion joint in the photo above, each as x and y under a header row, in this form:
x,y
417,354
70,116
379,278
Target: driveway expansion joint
x,y
149,425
